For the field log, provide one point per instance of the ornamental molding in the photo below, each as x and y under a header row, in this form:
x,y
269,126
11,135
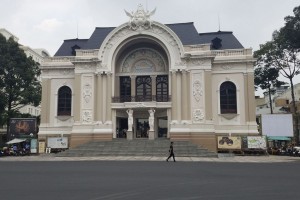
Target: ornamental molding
x,y
198,115
87,92
57,72
143,60
197,90
158,31
87,116
140,19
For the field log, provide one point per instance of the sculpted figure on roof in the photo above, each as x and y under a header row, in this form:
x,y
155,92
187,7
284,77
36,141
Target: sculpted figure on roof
x,y
140,18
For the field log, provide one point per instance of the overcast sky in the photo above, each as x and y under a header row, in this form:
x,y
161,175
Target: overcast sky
x,y
46,23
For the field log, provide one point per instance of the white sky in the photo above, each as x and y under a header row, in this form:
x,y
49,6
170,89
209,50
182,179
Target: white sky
x,y
46,23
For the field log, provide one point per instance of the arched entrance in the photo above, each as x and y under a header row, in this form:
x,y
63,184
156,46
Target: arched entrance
x,y
142,86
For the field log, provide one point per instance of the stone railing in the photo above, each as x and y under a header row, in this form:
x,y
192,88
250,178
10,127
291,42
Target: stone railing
x,y
60,59
149,98
87,52
232,52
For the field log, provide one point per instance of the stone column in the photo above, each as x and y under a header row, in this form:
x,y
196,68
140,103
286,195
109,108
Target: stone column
x,y
153,85
99,105
179,94
174,96
108,97
104,94
133,92
184,96
189,96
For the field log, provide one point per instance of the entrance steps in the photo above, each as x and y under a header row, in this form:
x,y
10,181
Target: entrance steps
x,y
137,147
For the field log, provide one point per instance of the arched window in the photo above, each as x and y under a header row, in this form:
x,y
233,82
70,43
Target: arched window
x,y
143,88
162,92
64,104
228,97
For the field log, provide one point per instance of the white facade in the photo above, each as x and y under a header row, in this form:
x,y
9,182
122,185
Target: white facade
x,y
143,52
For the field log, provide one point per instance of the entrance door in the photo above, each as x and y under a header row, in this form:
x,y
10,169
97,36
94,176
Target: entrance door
x,y
122,127
162,127
142,128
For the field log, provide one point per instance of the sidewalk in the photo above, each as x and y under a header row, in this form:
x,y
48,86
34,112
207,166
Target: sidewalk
x,y
236,159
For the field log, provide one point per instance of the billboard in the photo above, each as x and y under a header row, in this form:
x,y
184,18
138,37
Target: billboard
x,y
277,125
256,142
228,142
57,142
22,127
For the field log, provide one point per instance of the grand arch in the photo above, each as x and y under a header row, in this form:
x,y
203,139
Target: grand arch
x,y
158,32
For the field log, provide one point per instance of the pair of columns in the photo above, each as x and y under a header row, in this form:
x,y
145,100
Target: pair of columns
x,y
103,98
181,105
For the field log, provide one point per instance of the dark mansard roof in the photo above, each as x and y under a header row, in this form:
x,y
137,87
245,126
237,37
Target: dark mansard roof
x,y
186,32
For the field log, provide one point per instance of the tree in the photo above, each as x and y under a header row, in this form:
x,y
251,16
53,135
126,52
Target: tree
x,y
266,78
19,85
283,53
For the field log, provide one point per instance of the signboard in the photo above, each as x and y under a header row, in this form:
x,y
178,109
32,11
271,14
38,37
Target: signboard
x,y
42,147
256,142
277,125
22,127
57,142
33,146
227,142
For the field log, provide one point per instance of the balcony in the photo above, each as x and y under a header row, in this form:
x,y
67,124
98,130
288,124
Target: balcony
x,y
145,98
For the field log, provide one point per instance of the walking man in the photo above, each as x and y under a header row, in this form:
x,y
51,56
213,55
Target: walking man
x,y
171,153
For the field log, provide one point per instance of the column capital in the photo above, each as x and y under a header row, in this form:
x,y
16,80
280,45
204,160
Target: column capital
x,y
132,76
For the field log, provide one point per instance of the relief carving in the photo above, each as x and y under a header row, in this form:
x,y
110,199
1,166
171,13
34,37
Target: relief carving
x,y
87,92
143,60
198,115
140,19
87,116
197,90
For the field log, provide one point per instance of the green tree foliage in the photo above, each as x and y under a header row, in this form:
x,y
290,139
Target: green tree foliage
x,y
18,79
267,78
283,53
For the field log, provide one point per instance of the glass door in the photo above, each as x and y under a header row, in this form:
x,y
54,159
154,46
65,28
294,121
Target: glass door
x,y
142,128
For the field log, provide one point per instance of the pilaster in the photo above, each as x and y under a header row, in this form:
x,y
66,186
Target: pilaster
x,y
108,97
45,103
98,103
184,96
174,96
77,96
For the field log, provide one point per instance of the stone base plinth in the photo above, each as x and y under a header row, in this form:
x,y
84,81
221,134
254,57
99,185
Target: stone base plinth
x,y
129,135
151,135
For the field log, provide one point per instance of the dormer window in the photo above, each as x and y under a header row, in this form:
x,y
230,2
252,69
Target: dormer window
x,y
74,49
216,43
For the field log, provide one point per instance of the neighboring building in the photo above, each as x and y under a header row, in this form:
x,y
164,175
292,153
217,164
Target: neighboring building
x,y
37,55
281,101
151,79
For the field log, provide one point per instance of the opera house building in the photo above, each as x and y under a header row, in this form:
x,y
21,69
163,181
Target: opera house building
x,y
148,80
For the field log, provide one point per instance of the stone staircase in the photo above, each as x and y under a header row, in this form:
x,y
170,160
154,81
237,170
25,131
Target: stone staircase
x,y
137,147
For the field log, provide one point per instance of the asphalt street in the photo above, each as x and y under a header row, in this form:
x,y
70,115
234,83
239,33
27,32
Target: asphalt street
x,y
130,180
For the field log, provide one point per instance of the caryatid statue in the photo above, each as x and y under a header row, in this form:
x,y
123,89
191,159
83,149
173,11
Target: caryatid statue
x,y
151,119
130,119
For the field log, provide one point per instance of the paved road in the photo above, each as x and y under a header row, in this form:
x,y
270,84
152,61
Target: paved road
x,y
128,180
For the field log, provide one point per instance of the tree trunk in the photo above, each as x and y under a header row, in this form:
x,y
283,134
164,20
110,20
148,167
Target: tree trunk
x,y
295,116
270,100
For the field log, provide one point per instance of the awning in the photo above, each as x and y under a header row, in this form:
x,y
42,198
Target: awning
x,y
16,140
282,138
